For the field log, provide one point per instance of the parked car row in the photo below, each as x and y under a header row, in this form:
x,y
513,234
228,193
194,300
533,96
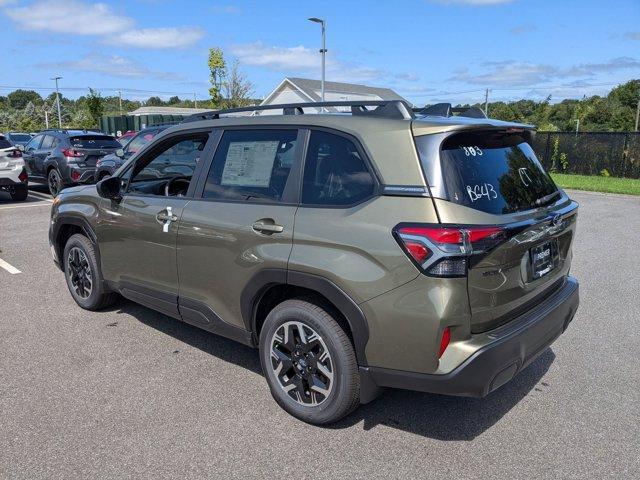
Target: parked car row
x,y
64,157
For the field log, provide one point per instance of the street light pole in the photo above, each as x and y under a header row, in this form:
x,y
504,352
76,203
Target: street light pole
x,y
323,50
58,101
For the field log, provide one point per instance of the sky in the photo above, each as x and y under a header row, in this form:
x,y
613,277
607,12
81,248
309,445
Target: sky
x,y
426,50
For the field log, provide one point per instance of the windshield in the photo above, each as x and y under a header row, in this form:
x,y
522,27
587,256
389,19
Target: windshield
x,y
494,172
94,141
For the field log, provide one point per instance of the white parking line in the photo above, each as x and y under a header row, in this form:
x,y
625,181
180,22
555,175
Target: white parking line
x,y
8,267
28,205
43,196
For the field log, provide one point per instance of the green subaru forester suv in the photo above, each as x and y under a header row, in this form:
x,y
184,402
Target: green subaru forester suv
x,y
361,247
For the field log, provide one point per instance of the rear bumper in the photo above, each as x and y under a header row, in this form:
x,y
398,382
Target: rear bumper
x,y
515,346
11,178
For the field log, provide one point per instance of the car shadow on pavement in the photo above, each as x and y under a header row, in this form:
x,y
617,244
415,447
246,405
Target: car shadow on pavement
x,y
439,417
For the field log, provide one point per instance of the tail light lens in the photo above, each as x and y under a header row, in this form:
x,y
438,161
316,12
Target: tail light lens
x,y
15,154
75,175
443,251
70,152
23,176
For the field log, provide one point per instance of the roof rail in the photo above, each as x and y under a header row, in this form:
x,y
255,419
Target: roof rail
x,y
65,130
384,109
446,110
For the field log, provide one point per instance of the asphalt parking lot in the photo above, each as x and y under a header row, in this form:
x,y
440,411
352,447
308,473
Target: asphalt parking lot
x,y
128,392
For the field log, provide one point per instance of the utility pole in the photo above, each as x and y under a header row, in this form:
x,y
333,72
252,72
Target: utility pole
x,y
638,113
120,101
58,101
486,102
577,125
46,116
195,101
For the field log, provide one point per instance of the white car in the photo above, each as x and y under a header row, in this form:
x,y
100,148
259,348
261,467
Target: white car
x,y
13,175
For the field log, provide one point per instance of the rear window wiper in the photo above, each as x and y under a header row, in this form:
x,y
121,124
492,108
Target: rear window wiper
x,y
546,199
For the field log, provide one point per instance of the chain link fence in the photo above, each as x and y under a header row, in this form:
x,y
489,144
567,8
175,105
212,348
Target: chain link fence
x,y
590,153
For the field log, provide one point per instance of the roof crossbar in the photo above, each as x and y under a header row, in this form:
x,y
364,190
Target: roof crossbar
x,y
446,110
384,109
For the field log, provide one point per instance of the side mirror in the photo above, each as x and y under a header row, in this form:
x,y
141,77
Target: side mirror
x,y
109,188
120,153
20,147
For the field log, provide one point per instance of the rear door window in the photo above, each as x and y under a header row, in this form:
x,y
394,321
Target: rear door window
x,y
94,141
494,172
335,173
47,142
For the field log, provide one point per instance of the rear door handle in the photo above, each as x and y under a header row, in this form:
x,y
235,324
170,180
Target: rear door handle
x,y
268,228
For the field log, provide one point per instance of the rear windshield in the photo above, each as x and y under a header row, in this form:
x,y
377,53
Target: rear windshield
x,y
495,172
20,137
94,141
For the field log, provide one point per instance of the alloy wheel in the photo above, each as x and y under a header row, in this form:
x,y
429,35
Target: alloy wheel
x,y
79,271
302,364
54,182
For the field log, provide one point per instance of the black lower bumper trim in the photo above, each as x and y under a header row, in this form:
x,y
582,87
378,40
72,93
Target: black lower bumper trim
x,y
517,344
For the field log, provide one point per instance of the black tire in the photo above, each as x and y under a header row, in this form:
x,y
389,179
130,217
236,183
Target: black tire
x,y
19,193
97,295
54,182
344,393
103,175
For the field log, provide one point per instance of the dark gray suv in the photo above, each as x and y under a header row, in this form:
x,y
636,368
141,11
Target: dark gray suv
x,y
61,158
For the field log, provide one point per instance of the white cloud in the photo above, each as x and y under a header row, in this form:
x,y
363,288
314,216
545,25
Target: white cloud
x,y
517,74
77,17
306,61
228,9
111,65
632,36
158,38
524,28
276,58
65,16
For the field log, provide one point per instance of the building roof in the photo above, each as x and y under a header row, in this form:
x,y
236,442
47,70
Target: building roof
x,y
168,111
309,88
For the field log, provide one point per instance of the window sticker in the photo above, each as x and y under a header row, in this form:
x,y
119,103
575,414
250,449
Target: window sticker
x,y
249,164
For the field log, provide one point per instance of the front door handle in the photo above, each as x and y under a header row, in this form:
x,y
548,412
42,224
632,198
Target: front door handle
x,y
165,217
268,228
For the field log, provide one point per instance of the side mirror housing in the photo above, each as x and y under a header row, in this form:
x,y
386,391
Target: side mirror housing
x,y
120,153
109,188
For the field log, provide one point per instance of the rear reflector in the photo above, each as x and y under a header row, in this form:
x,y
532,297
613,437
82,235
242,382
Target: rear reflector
x,y
75,175
444,341
23,176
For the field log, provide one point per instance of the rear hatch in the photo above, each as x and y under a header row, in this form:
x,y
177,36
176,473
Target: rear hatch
x,y
491,177
91,148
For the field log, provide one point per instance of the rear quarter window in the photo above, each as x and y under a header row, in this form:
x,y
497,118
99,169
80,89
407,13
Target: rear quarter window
x,y
494,172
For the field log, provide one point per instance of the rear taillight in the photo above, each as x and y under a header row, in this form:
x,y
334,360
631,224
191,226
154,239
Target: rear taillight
x,y
16,154
70,152
443,251
23,176
75,175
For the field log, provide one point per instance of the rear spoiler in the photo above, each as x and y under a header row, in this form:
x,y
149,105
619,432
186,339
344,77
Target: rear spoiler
x,y
446,110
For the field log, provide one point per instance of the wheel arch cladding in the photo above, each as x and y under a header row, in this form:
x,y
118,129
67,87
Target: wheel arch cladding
x,y
272,286
65,227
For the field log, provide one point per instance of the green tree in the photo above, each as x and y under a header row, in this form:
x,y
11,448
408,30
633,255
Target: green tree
x,y
154,102
19,99
217,73
237,88
95,106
